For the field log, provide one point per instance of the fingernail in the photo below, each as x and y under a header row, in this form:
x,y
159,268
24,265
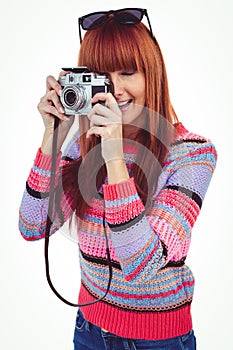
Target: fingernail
x,y
61,110
60,92
66,118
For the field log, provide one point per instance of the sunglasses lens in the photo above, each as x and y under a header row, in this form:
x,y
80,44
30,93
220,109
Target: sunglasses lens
x,y
128,17
93,21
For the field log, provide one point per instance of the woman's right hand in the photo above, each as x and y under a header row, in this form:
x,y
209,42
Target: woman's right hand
x,y
50,104
50,107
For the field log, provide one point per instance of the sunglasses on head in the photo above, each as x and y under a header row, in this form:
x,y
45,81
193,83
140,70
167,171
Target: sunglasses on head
x,y
126,16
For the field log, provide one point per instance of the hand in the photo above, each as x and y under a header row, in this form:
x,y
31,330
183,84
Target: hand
x,y
50,107
106,122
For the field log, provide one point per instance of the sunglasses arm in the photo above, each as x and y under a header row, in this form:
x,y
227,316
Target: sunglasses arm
x,y
152,35
79,30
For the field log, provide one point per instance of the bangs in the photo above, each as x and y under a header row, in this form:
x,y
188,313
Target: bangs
x,y
111,47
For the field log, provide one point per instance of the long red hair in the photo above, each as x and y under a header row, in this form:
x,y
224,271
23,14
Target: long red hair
x,y
109,48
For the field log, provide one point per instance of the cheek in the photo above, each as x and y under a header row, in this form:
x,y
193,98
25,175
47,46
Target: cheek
x,y
137,109
141,98
141,92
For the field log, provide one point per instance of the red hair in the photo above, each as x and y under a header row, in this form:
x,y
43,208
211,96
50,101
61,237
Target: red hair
x,y
109,48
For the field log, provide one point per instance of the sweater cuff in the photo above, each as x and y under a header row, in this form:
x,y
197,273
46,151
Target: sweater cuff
x,y
122,202
44,161
39,177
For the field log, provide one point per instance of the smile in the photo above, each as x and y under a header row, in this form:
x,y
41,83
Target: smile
x,y
124,105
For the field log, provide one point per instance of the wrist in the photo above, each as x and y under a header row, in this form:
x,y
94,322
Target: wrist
x,y
46,146
117,170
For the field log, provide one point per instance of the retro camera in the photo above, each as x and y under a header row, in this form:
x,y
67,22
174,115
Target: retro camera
x,y
78,87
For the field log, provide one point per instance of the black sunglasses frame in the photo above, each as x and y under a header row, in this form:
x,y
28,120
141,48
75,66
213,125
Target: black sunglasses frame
x,y
113,12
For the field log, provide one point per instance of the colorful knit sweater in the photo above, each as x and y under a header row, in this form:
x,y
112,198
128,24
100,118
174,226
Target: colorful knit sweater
x,y
152,287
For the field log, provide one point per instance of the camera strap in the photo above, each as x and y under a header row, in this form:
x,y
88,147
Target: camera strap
x,y
49,223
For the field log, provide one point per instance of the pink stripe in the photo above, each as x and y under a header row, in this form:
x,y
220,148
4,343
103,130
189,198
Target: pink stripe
x,y
124,212
180,202
142,265
205,150
33,238
43,161
149,325
140,296
155,295
119,191
96,247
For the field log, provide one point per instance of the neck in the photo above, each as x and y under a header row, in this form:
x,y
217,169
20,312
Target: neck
x,y
130,132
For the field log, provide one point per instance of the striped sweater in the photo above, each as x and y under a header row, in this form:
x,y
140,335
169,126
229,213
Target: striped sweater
x,y
152,287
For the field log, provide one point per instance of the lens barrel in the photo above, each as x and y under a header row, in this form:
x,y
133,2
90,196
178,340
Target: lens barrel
x,y
73,97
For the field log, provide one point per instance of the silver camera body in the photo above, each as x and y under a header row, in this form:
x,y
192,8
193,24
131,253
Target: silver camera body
x,y
78,87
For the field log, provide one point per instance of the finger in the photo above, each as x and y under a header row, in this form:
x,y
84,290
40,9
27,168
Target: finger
x,y
52,84
95,130
101,110
47,110
98,120
109,99
63,73
52,98
103,96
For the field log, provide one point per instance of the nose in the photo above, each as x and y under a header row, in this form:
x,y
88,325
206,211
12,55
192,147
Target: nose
x,y
118,86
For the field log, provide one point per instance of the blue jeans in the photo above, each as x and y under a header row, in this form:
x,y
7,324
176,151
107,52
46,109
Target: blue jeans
x,y
90,337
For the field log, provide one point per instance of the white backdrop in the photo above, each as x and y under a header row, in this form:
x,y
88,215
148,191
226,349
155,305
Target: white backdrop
x,y
37,39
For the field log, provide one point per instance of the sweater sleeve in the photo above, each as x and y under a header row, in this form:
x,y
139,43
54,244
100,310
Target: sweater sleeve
x,y
34,204
146,243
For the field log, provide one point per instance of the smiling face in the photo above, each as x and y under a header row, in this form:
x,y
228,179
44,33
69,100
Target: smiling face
x,y
129,92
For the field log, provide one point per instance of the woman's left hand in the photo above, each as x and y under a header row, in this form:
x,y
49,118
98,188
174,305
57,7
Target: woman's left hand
x,y
106,122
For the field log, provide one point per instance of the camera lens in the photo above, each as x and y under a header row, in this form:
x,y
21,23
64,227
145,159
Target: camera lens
x,y
73,97
70,97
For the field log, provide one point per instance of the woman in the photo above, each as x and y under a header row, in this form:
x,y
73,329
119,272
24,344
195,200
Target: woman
x,y
135,172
